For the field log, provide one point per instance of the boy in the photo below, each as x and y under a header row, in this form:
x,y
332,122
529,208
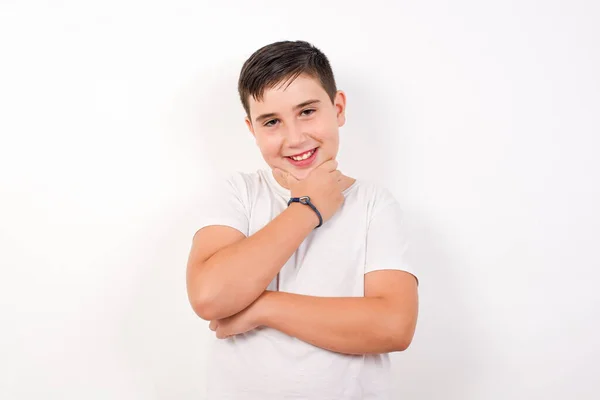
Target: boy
x,y
300,269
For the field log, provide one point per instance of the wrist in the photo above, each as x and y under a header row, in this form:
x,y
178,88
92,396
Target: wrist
x,y
308,215
264,308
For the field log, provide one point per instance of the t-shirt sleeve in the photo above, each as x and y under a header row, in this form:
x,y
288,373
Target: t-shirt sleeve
x,y
224,203
387,240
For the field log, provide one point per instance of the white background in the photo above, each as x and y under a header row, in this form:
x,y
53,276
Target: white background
x,y
482,117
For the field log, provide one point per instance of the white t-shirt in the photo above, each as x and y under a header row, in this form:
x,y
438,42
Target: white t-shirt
x,y
364,235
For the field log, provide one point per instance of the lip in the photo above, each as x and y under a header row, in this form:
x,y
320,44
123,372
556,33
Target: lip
x,y
304,163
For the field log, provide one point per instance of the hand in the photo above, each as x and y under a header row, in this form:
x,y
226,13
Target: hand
x,y
323,185
242,322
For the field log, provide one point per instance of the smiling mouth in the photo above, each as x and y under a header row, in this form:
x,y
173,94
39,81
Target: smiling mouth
x,y
303,156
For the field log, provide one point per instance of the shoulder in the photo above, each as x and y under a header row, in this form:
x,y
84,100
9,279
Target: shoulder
x,y
374,194
237,179
239,183
376,197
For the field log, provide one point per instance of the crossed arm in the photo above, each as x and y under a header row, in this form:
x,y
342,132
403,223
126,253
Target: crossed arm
x,y
383,320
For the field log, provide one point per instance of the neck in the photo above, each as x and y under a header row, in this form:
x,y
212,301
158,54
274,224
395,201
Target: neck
x,y
345,180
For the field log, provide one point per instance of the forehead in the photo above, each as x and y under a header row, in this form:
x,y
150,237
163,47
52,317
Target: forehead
x,y
285,95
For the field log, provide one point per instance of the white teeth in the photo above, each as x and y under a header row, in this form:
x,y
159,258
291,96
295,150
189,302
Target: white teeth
x,y
303,157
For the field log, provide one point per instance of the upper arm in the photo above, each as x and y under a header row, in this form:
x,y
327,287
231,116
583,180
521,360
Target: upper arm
x,y
399,287
206,243
399,290
388,274
387,239
222,219
209,240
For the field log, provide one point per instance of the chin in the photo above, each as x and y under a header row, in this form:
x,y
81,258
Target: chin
x,y
301,174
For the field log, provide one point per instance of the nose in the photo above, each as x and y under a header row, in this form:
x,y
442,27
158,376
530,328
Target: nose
x,y
295,135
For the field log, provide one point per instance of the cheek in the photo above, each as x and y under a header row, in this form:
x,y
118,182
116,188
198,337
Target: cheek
x,y
326,134
269,146
324,129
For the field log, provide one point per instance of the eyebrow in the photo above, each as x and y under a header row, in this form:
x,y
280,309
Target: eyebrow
x,y
262,117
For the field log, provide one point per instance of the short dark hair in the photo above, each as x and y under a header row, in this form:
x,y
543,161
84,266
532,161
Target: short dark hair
x,y
283,61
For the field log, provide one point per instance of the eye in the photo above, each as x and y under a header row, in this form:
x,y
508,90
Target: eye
x,y
270,122
308,111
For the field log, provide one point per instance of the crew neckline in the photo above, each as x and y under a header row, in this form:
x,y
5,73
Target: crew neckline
x,y
288,193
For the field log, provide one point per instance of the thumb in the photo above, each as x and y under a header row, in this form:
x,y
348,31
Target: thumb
x,y
285,176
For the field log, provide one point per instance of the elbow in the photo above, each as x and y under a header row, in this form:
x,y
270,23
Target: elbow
x,y
205,302
211,305
203,296
205,308
400,335
401,342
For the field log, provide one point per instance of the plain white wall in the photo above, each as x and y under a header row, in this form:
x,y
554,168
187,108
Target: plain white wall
x,y
482,118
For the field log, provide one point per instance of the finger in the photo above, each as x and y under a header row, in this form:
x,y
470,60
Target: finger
x,y
278,173
213,325
337,174
221,334
329,165
291,179
287,178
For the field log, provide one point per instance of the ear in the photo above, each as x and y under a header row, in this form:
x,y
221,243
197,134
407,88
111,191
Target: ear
x,y
339,102
249,125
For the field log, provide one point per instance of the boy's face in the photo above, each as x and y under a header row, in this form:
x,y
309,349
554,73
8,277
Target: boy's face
x,y
296,126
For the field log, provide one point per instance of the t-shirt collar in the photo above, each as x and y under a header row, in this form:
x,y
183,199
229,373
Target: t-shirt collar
x,y
268,172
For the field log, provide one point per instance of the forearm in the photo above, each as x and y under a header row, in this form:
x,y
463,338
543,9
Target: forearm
x,y
352,325
237,275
